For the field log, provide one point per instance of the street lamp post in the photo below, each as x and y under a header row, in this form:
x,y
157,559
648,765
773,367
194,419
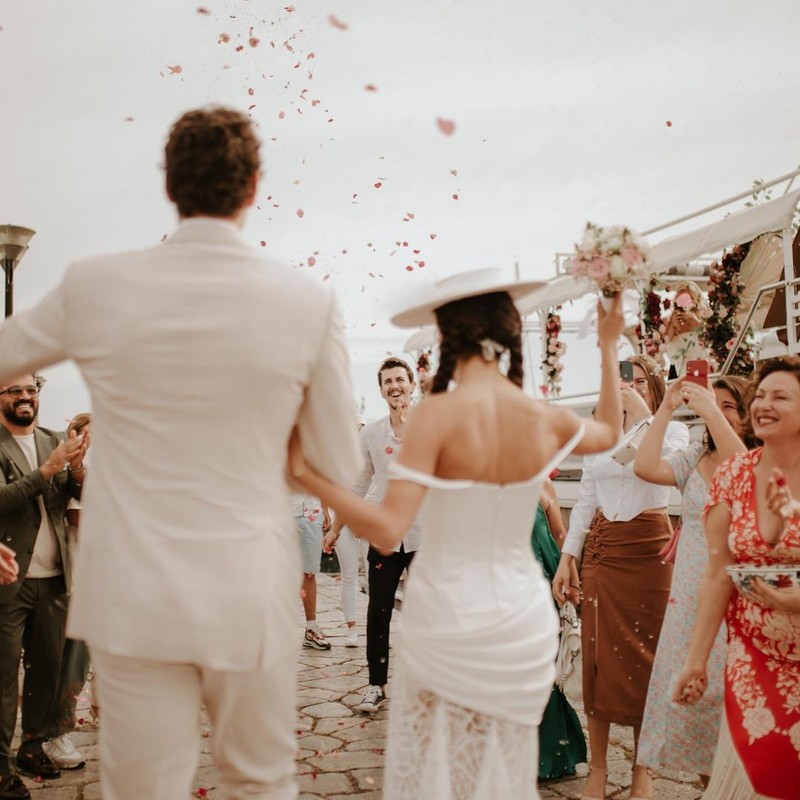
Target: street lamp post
x,y
13,245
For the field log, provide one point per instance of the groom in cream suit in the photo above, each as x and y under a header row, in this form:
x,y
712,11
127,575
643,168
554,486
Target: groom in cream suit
x,y
200,355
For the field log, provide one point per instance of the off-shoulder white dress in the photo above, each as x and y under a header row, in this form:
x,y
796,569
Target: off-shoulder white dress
x,y
477,644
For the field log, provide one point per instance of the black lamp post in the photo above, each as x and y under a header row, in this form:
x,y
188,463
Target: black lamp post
x,y
13,245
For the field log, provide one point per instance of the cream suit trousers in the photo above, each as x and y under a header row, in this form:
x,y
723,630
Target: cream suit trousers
x,y
150,736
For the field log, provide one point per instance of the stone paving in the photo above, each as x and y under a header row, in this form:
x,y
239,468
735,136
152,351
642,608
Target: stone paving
x,y
340,751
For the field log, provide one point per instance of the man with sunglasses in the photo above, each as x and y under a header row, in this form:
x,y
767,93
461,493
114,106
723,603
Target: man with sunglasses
x,y
39,473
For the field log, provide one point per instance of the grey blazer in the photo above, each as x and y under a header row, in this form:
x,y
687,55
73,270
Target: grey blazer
x,y
20,517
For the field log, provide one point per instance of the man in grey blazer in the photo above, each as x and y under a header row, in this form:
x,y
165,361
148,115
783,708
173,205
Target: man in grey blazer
x,y
200,355
34,492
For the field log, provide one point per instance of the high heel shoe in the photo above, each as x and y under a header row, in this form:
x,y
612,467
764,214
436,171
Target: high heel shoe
x,y
604,773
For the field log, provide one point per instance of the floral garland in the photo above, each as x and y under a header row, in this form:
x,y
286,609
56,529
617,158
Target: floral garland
x,y
724,297
652,328
552,366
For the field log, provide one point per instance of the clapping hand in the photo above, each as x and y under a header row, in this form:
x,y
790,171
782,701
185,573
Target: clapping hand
x,y
779,498
76,447
9,569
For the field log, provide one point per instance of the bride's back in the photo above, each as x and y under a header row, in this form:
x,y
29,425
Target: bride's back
x,y
490,431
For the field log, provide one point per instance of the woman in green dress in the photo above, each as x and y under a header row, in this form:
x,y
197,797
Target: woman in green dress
x,y
561,741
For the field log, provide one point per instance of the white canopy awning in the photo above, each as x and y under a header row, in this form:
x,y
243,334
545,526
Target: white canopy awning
x,y
737,228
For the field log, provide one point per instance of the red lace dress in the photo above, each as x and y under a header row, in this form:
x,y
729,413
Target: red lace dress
x,y
762,674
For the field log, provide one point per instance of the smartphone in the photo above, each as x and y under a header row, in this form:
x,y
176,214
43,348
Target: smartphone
x,y
626,372
697,372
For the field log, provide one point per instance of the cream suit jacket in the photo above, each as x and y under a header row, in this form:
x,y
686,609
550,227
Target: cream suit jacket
x,y
199,354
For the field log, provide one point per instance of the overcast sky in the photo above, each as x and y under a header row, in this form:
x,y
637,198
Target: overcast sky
x,y
631,112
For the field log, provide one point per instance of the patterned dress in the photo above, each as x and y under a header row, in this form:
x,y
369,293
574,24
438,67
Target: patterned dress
x,y
762,674
676,736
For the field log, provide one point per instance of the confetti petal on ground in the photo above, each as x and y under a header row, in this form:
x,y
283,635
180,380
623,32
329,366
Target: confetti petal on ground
x,y
446,126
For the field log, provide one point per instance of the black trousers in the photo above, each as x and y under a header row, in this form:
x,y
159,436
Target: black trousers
x,y
384,577
34,620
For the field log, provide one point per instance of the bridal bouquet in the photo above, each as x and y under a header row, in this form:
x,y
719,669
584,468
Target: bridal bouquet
x,y
613,258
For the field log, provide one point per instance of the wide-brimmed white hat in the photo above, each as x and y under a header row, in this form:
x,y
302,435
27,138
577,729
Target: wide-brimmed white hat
x,y
472,283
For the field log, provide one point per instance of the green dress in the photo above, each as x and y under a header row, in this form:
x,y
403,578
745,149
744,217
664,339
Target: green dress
x,y
561,741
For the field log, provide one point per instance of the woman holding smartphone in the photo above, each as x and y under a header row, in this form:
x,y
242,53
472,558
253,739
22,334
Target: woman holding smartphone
x,y
620,523
674,736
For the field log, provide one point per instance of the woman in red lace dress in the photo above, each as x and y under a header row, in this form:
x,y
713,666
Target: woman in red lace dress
x,y
751,518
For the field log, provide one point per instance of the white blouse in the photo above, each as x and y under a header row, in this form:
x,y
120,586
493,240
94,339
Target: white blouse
x,y
616,491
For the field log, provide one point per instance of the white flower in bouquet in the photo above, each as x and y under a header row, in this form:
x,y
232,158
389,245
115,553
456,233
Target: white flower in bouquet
x,y
617,269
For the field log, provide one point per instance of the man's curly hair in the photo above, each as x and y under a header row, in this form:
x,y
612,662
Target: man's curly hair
x,y
211,157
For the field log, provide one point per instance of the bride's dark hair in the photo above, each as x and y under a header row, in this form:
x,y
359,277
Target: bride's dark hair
x,y
463,324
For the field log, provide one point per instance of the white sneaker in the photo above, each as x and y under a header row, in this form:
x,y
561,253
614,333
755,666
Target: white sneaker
x,y
63,753
351,640
371,700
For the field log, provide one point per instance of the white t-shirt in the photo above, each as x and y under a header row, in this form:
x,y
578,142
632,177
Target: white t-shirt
x,y
46,558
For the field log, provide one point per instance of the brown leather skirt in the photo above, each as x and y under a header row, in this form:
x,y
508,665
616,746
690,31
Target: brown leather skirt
x,y
625,593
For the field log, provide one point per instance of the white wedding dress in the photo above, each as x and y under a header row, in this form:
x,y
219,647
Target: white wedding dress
x,y
477,644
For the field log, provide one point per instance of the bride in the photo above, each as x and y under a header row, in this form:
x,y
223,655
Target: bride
x,y
479,632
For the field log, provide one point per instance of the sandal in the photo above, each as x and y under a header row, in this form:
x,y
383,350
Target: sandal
x,y
649,795
604,773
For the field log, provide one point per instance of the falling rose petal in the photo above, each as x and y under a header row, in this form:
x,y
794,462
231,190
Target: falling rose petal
x,y
239,48
251,107
337,23
410,268
300,213
409,215
311,261
455,196
433,235
415,252
253,41
127,119
164,238
371,87
263,243
288,9
420,264
669,123
251,92
281,114
446,126
326,276
202,10
310,56
405,244
224,38
454,172
176,70
372,324
377,185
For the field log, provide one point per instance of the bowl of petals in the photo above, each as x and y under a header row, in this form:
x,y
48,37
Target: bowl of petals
x,y
781,576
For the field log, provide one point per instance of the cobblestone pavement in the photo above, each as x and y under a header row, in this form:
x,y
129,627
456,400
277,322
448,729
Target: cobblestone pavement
x,y
341,751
